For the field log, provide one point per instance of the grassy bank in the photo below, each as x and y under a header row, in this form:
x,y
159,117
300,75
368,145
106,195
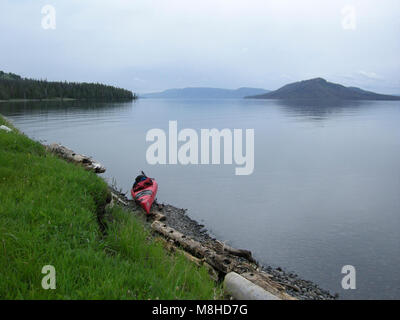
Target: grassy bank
x,y
48,217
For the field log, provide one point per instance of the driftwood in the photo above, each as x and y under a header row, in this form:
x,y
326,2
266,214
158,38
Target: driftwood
x,y
169,245
263,280
236,252
222,263
240,288
65,153
158,216
114,196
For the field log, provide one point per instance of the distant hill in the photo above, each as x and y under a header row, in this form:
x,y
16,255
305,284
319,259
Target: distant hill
x,y
13,86
321,89
205,93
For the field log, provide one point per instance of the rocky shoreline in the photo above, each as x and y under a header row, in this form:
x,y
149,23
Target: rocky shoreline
x,y
177,219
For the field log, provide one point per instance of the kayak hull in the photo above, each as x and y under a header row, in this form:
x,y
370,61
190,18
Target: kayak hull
x,y
145,196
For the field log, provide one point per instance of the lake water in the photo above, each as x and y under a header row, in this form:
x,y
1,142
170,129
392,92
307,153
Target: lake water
x,y
325,191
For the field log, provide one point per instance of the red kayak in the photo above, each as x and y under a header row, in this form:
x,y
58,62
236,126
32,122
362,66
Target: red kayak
x,y
144,191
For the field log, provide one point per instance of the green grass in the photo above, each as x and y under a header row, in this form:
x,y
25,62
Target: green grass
x,y
48,217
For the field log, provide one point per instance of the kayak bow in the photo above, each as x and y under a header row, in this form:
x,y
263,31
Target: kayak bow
x,y
144,191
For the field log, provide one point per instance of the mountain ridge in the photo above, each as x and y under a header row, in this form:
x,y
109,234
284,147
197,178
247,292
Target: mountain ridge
x,y
204,93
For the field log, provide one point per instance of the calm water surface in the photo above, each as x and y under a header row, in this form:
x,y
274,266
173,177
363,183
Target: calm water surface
x,y
325,191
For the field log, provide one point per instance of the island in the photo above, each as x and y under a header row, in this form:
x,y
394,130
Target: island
x,y
321,89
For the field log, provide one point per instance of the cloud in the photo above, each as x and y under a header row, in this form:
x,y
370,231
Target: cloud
x,y
138,79
370,75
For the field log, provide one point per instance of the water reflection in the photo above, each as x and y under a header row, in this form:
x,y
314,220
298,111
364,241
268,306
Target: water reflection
x,y
61,107
317,110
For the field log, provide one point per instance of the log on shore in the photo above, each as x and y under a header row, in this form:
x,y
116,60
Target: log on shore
x,y
242,289
222,263
87,162
236,252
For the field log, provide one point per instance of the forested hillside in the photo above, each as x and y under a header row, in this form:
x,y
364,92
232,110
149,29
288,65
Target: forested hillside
x,y
13,86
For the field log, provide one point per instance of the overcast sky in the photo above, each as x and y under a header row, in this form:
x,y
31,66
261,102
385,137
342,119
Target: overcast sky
x,y
151,45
